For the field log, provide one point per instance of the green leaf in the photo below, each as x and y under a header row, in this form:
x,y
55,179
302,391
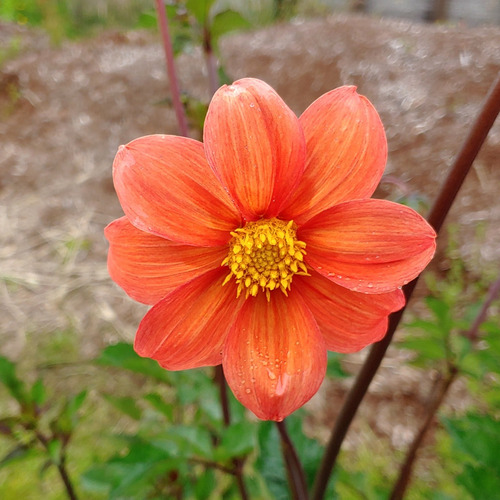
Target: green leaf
x,y
38,393
159,404
54,448
132,475
334,368
482,483
122,355
19,453
206,483
9,378
425,348
67,418
478,436
225,22
125,404
200,9
238,440
441,311
309,450
190,441
270,463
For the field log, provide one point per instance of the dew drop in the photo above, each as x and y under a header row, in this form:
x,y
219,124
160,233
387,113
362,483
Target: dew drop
x,y
248,390
272,376
370,285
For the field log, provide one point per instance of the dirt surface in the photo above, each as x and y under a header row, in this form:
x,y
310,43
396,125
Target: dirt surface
x,y
64,112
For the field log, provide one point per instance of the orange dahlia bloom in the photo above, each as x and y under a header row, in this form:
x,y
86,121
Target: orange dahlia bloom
x,y
260,248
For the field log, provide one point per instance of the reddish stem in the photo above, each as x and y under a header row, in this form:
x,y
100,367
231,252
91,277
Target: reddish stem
x,y
296,476
211,61
406,469
442,205
171,71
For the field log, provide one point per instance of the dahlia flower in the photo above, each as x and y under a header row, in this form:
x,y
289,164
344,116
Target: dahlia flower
x,y
260,248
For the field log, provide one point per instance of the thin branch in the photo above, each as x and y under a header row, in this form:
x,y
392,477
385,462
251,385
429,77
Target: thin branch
x,y
210,61
406,469
296,476
442,205
61,467
171,71
473,332
220,380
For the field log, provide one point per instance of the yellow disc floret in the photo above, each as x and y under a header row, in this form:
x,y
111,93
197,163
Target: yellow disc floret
x,y
264,255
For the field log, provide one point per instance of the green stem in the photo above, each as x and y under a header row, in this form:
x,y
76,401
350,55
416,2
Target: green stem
x,y
296,476
442,205
171,71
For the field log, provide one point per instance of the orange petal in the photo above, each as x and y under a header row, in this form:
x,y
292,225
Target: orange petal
x,y
346,153
275,357
148,267
188,328
166,187
255,146
370,246
348,320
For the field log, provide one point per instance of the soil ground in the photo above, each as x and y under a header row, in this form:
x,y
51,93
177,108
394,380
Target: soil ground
x,y
64,112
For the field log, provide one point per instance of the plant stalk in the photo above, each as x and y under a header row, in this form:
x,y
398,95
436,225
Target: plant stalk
x,y
296,476
171,71
210,61
405,472
220,380
473,333
441,207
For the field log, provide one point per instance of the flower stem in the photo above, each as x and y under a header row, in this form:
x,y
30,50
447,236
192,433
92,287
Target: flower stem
x,y
441,207
171,71
211,62
61,467
406,469
226,415
296,477
472,334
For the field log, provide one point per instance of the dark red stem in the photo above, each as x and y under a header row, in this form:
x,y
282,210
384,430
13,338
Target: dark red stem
x,y
226,415
296,476
171,71
406,469
442,205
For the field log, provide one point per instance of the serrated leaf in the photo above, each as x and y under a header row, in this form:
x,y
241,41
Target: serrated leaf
x,y
225,22
125,404
122,355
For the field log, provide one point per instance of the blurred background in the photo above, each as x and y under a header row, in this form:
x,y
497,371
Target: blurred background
x,y
79,78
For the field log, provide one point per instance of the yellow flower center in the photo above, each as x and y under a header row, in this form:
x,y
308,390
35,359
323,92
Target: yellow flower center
x,y
265,255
